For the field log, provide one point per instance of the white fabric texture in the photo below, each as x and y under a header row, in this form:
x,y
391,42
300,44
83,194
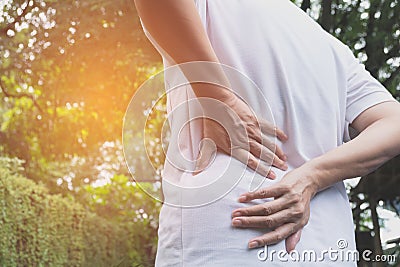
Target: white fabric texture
x,y
315,88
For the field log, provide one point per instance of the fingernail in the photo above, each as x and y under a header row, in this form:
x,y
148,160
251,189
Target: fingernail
x,y
272,175
284,157
242,198
285,166
253,244
236,214
237,222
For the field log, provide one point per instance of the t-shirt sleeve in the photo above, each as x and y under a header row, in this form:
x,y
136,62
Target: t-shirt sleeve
x,y
363,90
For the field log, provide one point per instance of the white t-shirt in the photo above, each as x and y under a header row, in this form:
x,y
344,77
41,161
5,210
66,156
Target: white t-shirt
x,y
315,87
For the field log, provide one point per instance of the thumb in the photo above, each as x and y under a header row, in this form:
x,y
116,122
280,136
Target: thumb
x,y
292,241
207,154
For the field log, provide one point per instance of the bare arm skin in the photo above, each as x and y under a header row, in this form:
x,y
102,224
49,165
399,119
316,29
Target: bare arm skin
x,y
288,213
378,142
177,28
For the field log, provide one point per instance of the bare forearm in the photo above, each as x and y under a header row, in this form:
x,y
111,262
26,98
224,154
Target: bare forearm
x,y
376,144
177,28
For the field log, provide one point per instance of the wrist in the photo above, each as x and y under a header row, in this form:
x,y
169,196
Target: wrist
x,y
324,174
313,174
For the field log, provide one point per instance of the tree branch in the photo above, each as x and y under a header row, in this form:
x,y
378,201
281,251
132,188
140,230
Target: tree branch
x,y
344,19
326,16
20,95
18,19
394,207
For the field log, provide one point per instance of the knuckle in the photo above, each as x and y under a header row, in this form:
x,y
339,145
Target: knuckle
x,y
301,207
296,196
244,212
250,196
303,223
262,241
252,144
285,189
280,163
277,237
267,210
278,155
275,147
254,147
254,133
262,193
245,221
251,162
269,222
297,212
250,130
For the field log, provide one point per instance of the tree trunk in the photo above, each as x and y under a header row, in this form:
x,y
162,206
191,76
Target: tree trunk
x,y
306,4
377,235
326,16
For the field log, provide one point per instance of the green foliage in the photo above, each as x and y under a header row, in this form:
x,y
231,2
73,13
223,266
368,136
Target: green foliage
x,y
127,205
68,70
38,229
370,28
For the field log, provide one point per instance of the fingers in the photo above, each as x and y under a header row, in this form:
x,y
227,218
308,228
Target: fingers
x,y
280,134
253,162
275,236
259,166
272,221
279,163
255,149
275,190
292,241
279,158
278,151
270,153
264,209
207,153
269,129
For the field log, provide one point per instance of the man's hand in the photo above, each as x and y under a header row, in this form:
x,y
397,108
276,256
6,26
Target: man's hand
x,y
285,215
233,128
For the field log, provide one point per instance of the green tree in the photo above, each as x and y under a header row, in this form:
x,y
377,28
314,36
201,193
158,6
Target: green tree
x,y
68,70
371,28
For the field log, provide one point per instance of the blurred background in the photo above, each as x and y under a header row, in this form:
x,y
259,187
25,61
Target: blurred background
x,y
68,70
